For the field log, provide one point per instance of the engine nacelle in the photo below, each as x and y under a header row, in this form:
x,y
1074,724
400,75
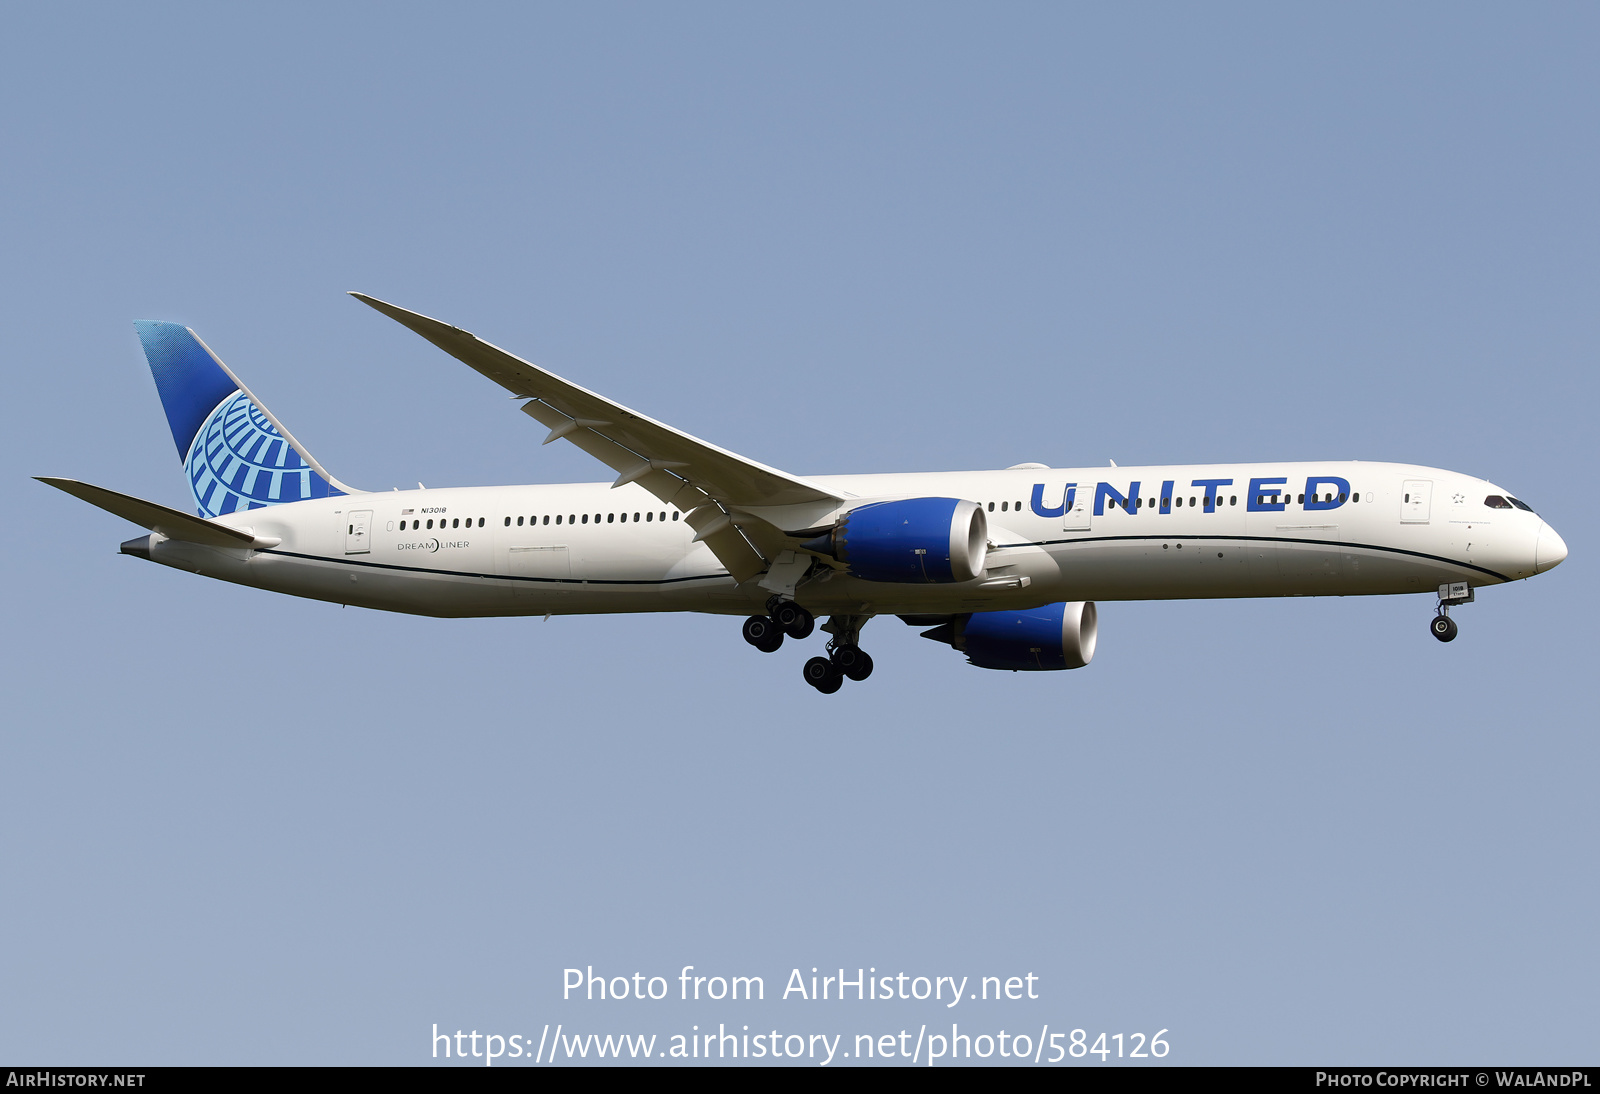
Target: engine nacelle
x,y
921,540
1056,636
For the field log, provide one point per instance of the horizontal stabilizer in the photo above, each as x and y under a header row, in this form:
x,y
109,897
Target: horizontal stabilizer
x,y
158,518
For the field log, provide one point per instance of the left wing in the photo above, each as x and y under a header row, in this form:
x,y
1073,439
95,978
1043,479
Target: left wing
x,y
713,487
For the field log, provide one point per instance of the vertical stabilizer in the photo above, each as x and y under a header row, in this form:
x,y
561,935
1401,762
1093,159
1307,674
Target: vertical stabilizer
x,y
235,454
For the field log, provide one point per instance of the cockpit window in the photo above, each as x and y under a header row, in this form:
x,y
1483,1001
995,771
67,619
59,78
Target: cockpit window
x,y
1495,501
1520,505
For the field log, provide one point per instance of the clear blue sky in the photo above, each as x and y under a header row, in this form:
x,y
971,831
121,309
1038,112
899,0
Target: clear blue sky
x,y
244,828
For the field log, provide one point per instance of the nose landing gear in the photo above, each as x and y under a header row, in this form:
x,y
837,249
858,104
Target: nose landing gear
x,y
1441,626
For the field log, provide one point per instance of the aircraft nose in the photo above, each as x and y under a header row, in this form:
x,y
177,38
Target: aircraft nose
x,y
1549,551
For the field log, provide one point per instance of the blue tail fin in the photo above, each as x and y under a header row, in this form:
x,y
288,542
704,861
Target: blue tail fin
x,y
236,454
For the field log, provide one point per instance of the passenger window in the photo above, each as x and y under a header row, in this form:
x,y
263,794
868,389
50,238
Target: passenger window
x,y
1018,507
519,521
1233,499
611,518
1495,501
1208,500
649,516
1303,498
430,524
558,519
991,507
586,518
674,516
1356,496
636,518
1341,499
1003,506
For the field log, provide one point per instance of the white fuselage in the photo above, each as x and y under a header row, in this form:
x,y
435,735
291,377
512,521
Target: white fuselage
x,y
484,551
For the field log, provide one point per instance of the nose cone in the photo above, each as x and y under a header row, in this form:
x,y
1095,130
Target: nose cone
x,y
1550,550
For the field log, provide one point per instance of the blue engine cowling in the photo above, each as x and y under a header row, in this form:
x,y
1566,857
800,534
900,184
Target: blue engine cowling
x,y
1056,636
922,540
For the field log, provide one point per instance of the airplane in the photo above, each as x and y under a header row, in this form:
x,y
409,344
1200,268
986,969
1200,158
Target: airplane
x,y
1004,566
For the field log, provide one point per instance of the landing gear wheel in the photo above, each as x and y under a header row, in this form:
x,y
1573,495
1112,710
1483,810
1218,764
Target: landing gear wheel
x,y
762,633
795,621
821,674
1443,628
853,661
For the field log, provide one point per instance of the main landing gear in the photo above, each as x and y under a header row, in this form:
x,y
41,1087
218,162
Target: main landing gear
x,y
845,659
784,617
763,633
1441,626
828,674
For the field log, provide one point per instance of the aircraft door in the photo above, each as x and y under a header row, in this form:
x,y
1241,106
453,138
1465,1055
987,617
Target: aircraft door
x,y
1416,495
358,532
1075,504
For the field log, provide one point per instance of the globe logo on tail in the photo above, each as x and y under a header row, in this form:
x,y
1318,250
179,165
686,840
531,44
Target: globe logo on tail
x,y
239,461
